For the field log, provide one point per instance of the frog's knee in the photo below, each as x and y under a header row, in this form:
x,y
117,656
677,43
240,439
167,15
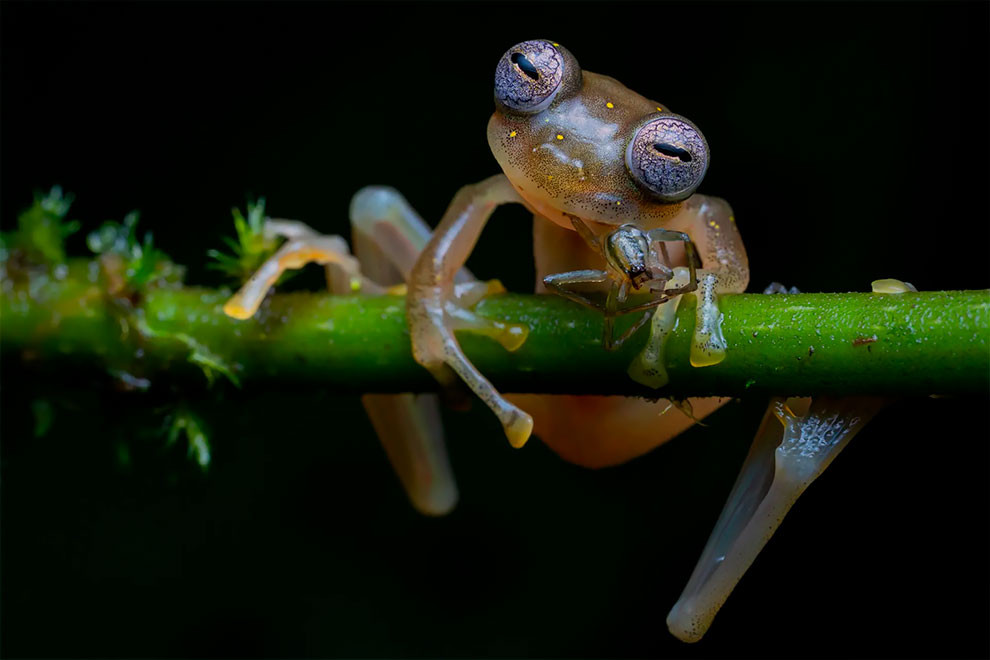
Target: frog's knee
x,y
372,204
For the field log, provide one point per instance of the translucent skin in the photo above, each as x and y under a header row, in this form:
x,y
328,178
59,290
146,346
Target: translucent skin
x,y
568,162
569,159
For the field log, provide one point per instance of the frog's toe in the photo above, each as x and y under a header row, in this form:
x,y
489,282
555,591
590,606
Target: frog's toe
x,y
436,348
649,367
463,318
510,335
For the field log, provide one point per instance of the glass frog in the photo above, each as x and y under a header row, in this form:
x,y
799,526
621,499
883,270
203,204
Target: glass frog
x,y
610,177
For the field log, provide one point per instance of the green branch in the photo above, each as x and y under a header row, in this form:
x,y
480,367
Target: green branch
x,y
911,343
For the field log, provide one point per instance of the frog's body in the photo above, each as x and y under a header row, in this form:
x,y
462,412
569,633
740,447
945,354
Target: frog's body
x,y
593,161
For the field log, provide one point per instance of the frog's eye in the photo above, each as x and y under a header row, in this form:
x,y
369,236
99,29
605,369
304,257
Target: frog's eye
x,y
668,156
530,75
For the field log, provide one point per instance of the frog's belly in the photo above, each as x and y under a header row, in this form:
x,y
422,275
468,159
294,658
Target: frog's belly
x,y
599,431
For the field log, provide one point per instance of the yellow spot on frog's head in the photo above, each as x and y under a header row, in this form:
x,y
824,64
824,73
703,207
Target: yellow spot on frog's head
x,y
732,218
559,136
609,105
512,134
711,223
549,176
618,203
555,44
659,109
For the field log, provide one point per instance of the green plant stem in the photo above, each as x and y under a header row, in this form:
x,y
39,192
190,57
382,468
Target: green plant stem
x,y
912,343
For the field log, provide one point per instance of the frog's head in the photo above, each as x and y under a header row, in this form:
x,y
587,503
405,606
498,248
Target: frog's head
x,y
579,143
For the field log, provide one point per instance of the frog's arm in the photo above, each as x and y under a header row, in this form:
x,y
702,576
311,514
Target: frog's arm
x,y
725,269
788,453
434,310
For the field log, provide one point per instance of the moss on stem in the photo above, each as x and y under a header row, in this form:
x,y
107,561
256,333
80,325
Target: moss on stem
x,y
912,343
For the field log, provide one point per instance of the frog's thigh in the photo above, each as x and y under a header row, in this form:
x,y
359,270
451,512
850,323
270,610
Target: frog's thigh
x,y
599,431
388,236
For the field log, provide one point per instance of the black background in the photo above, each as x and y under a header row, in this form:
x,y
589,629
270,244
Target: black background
x,y
852,141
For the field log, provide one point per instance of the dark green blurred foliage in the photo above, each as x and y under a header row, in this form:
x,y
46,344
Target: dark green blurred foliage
x,y
851,140
140,261
41,229
250,248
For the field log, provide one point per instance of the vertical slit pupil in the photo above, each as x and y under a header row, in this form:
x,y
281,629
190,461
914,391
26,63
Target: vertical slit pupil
x,y
525,65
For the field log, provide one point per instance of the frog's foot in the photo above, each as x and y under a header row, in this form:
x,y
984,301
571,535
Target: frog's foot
x,y
708,345
649,367
788,453
463,318
436,348
304,246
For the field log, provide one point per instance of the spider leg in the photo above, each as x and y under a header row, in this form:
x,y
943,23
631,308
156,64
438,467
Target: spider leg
x,y
562,283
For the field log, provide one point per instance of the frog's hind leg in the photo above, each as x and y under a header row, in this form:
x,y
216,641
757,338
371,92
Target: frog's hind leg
x,y
788,453
388,235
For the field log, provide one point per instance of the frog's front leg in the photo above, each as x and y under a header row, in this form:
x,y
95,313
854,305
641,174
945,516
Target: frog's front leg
x,y
724,269
434,311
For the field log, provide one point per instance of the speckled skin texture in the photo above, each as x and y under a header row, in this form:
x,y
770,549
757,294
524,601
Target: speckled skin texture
x,y
570,157
563,154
